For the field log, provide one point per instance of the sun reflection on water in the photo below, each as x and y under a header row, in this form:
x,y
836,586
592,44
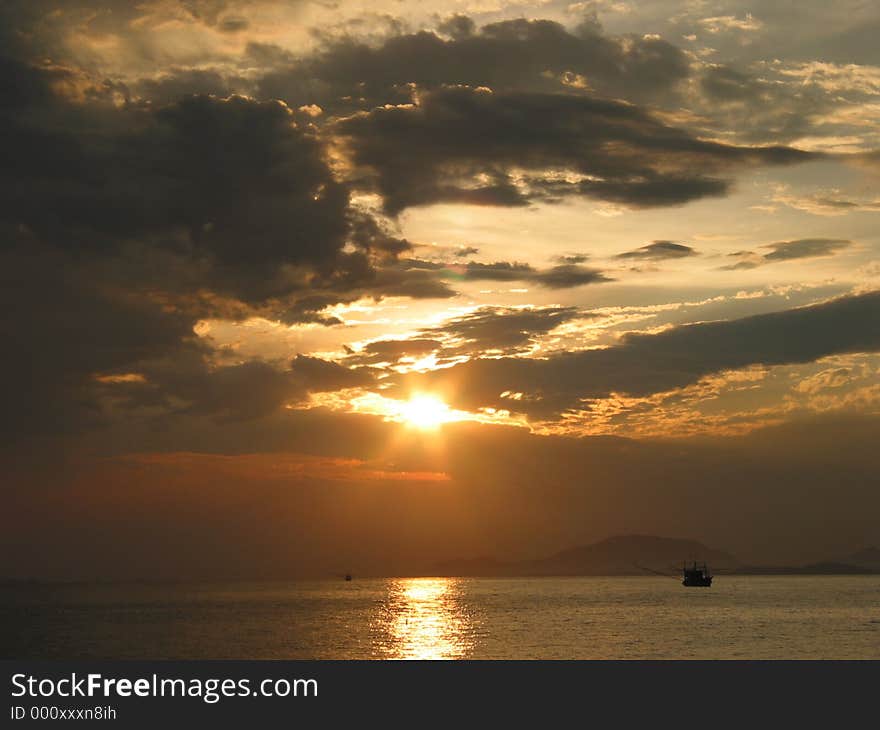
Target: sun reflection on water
x,y
424,618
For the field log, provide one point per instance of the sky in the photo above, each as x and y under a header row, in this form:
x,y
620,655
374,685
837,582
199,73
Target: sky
x,y
301,288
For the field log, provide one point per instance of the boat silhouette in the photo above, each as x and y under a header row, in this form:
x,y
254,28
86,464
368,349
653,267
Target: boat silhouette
x,y
696,576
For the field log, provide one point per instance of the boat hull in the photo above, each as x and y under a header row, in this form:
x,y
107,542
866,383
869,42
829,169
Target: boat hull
x,y
696,576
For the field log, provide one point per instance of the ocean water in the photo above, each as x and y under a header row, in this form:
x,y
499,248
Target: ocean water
x,y
742,617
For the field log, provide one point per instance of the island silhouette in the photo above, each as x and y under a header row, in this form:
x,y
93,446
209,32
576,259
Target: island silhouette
x,y
645,554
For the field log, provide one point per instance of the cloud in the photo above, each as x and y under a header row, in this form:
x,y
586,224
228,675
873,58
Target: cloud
x,y
233,24
174,84
199,204
659,250
123,226
232,189
803,248
223,204
317,375
643,364
813,105
537,55
403,281
745,260
188,382
498,271
349,61
368,235
245,391
139,195
566,276
464,251
726,84
825,379
470,142
65,321
575,258
561,276
393,351
498,328
488,329
720,23
826,203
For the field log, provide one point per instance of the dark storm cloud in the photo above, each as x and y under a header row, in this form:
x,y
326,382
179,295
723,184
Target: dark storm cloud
x,y
122,227
62,323
803,248
511,54
644,364
232,197
658,251
231,185
251,190
459,134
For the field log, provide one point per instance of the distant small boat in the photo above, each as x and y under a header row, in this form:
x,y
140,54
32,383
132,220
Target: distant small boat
x,y
696,577
348,576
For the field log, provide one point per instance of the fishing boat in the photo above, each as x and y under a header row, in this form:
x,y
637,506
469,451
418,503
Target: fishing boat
x,y
696,576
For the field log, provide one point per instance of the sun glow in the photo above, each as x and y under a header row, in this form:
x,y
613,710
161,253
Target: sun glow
x,y
423,411
426,411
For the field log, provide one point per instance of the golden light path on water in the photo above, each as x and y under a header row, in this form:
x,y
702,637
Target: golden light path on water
x,y
426,619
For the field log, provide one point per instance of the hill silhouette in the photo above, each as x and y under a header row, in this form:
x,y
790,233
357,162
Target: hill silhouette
x,y
619,555
868,557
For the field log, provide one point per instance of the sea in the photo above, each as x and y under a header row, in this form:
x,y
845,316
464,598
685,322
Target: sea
x,y
650,617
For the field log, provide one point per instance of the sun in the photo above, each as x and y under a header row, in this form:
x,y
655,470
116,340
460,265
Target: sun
x,y
426,411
